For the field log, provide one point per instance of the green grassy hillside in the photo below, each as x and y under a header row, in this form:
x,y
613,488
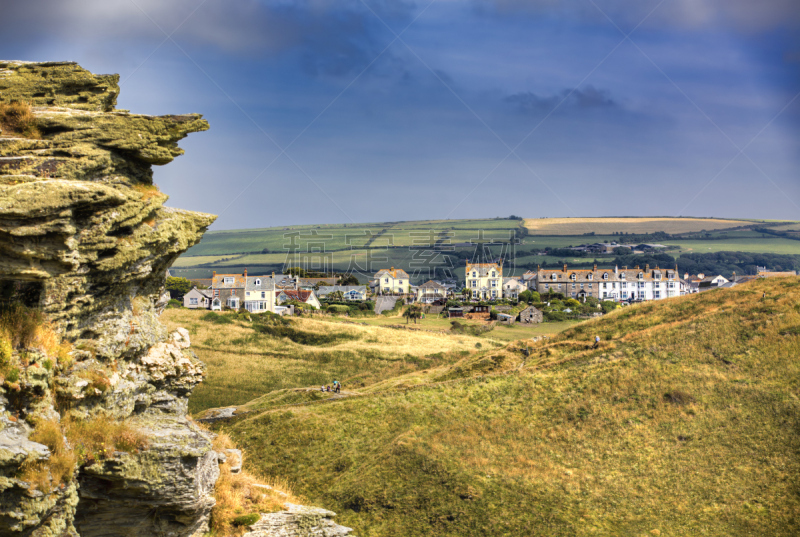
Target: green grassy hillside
x,y
685,421
364,248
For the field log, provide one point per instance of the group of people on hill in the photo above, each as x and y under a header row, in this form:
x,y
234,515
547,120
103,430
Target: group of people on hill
x,y
337,387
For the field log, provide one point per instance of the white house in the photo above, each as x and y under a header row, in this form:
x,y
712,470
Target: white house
x,y
259,294
197,299
512,287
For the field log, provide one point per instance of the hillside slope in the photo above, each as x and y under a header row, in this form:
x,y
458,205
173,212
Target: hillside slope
x,y
685,421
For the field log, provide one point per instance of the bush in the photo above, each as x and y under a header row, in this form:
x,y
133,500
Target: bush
x,y
555,316
338,309
5,352
17,118
216,318
174,303
246,520
21,324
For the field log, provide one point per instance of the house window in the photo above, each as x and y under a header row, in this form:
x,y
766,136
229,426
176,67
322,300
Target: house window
x,y
624,294
590,277
671,285
386,280
590,286
657,294
474,283
641,275
605,276
624,285
547,286
605,286
193,301
227,281
263,295
494,294
400,282
605,295
474,274
622,276
573,286
474,294
559,286
216,292
494,283
492,274
572,277
554,277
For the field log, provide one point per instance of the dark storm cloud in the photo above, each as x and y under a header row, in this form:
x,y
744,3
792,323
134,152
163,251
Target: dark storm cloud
x,y
744,15
580,98
331,37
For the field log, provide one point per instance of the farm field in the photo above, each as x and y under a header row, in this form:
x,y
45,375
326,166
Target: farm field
x,y
607,226
651,433
774,245
340,248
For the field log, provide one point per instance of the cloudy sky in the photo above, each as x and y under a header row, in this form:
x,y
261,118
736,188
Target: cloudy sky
x,y
326,111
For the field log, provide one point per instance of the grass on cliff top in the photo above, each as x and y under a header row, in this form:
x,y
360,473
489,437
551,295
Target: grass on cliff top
x,y
685,421
17,119
607,226
244,363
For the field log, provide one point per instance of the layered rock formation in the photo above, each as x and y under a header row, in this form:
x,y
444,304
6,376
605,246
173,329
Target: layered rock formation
x,y
85,238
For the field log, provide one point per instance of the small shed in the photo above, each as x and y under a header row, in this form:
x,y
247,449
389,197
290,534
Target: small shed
x,y
480,309
531,315
455,312
506,318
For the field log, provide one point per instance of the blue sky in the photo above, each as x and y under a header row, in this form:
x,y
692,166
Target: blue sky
x,y
328,111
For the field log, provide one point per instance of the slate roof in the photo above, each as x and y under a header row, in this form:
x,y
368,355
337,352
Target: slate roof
x,y
430,284
314,281
266,283
328,289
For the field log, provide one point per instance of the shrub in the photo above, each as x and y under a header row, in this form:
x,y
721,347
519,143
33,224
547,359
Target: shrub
x,y
17,118
174,303
100,437
338,309
216,318
59,468
246,520
5,352
555,316
21,324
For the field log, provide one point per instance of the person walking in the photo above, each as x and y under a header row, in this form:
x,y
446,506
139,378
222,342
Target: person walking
x,y
596,342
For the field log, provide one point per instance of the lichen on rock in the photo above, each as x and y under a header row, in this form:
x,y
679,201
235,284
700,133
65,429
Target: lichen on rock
x,y
85,235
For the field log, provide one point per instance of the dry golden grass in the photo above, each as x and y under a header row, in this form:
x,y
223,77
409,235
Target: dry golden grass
x,y
147,192
17,119
683,421
59,468
608,226
243,494
243,364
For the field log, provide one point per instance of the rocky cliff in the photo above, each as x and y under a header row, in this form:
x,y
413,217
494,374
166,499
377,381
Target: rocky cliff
x,y
94,438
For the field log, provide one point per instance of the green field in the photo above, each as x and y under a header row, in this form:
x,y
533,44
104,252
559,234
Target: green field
x,y
365,248
685,420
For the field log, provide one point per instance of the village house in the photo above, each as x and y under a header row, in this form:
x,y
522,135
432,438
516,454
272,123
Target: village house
x,y
512,287
712,282
393,281
349,292
197,299
227,290
531,315
259,295
484,281
529,279
431,291
300,295
611,284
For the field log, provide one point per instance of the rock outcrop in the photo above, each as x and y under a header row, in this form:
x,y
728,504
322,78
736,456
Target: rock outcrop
x,y
85,238
298,521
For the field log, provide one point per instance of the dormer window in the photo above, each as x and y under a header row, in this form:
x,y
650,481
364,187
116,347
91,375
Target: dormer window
x,y
572,277
641,275
474,274
605,276
590,277
622,276
492,274
258,282
554,277
227,281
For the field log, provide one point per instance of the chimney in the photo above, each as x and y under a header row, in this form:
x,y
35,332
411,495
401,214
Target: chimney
x,y
637,267
215,274
595,267
685,275
245,273
273,274
647,268
565,267
616,269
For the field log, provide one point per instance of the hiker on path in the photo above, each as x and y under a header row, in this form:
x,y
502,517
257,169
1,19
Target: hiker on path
x,y
596,342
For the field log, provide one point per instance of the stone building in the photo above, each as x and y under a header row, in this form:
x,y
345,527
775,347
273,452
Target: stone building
x,y
611,284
